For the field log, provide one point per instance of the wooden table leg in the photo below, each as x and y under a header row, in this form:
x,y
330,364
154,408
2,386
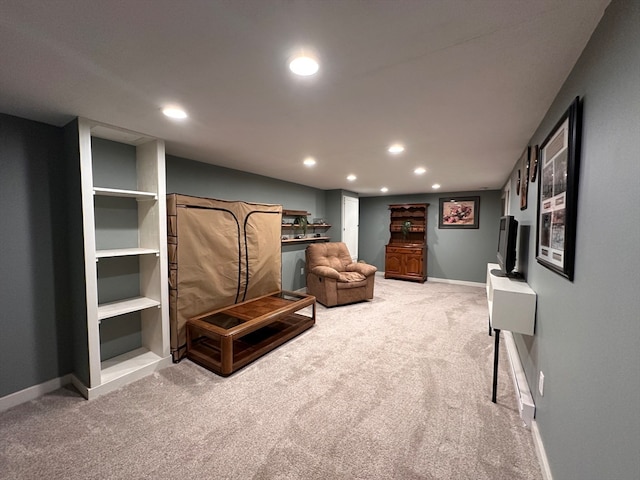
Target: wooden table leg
x,y
226,345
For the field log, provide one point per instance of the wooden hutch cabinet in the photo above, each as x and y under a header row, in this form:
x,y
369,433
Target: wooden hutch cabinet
x,y
406,252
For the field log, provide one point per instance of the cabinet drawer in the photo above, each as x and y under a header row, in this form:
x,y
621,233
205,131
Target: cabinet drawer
x,y
405,250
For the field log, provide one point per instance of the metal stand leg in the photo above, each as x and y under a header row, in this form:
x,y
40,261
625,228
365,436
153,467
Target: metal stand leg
x,y
495,364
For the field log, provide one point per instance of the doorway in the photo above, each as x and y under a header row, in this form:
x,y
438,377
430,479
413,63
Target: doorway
x,y
350,219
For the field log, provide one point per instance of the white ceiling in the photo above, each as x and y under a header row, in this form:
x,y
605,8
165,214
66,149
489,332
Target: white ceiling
x,y
462,83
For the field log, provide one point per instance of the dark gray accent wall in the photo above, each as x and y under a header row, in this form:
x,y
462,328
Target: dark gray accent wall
x,y
201,179
587,338
334,213
453,254
35,337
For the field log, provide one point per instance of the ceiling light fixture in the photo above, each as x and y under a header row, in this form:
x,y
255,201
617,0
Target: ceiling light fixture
x,y
351,177
395,149
309,161
174,112
384,189
420,170
304,65
435,186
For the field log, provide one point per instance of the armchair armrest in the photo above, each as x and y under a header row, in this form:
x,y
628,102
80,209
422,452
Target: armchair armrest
x,y
328,272
362,268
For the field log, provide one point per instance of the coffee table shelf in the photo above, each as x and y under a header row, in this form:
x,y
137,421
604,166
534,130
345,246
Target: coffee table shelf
x,y
227,339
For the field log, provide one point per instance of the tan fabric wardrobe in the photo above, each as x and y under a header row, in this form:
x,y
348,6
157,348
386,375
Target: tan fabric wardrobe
x,y
220,253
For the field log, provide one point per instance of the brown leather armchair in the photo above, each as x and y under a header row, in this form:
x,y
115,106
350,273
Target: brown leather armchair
x,y
333,278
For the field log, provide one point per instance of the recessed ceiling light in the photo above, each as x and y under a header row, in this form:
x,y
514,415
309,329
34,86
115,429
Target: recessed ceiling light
x,y
435,186
309,161
384,189
174,112
420,170
396,148
351,177
304,65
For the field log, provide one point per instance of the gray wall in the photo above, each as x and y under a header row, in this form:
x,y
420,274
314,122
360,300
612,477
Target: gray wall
x,y
334,213
454,254
34,310
587,338
200,179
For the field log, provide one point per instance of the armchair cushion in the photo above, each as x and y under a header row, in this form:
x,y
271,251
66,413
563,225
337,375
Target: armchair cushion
x,y
348,277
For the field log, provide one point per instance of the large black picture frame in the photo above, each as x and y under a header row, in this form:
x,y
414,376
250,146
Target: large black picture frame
x,y
559,166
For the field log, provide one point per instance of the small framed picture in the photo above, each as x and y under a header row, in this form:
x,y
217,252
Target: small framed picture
x,y
460,212
535,151
525,161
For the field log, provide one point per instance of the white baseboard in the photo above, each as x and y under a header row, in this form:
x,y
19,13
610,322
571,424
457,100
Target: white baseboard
x,y
31,393
525,400
446,280
540,452
456,282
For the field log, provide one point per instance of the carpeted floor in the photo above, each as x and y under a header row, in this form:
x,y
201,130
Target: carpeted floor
x,y
395,388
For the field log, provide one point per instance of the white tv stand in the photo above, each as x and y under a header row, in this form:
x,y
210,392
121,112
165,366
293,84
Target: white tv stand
x,y
512,307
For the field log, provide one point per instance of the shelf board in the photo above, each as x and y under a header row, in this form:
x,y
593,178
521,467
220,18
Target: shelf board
x,y
408,214
121,307
308,239
124,252
295,213
394,228
309,225
127,363
116,192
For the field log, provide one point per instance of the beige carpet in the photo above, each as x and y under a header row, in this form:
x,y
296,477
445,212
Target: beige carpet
x,y
396,388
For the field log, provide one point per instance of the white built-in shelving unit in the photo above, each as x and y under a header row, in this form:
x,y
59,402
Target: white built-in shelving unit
x,y
130,290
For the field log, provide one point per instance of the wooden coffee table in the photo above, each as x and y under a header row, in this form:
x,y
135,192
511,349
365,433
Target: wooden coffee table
x,y
229,338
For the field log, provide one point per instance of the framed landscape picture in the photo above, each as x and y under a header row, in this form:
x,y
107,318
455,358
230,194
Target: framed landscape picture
x,y
461,212
558,164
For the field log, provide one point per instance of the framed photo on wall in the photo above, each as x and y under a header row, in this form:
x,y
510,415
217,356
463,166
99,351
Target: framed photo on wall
x,y
559,161
534,163
460,212
524,187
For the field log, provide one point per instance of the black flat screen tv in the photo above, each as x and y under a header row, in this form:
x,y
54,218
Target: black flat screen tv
x,y
507,246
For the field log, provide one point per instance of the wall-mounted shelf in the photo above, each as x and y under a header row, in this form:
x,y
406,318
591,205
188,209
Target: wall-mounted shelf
x,y
512,303
306,239
512,307
291,230
309,225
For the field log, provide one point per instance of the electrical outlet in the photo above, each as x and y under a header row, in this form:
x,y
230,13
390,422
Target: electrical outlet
x,y
541,384
301,270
